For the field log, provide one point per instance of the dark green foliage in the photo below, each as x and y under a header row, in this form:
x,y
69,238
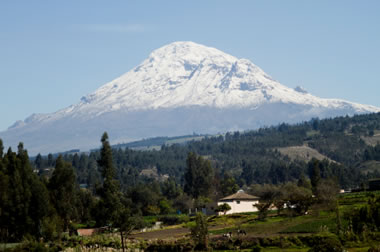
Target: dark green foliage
x,y
367,217
256,248
372,153
298,199
228,185
85,202
1,149
327,244
199,232
126,221
221,164
174,219
304,182
63,188
224,208
315,173
198,176
263,208
251,157
34,246
23,197
109,204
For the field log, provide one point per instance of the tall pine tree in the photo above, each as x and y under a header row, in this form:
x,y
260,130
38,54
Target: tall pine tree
x,y
109,193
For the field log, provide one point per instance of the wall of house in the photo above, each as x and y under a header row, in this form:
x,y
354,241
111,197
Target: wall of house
x,y
242,206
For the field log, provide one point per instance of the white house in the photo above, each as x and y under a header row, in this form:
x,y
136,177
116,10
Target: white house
x,y
240,202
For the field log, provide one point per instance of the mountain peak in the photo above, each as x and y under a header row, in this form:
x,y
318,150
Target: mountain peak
x,y
180,88
188,54
185,73
187,49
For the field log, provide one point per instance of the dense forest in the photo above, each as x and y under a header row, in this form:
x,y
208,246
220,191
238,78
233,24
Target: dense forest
x,y
45,195
348,144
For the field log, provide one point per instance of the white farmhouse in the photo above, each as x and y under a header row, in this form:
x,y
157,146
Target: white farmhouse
x,y
240,202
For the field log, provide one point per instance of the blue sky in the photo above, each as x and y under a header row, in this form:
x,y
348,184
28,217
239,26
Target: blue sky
x,y
54,52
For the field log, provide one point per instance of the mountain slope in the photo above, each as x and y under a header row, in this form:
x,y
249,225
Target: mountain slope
x,y
179,89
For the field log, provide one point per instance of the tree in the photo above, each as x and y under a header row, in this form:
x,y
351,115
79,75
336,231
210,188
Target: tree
x,y
84,205
263,208
228,184
223,208
63,191
269,195
38,161
327,244
303,181
4,202
248,172
199,232
198,176
165,206
109,204
50,161
23,197
1,149
126,222
315,175
326,192
298,199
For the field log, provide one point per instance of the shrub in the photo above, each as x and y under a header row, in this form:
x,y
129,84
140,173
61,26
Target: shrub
x,y
327,244
256,248
161,246
173,219
374,249
34,246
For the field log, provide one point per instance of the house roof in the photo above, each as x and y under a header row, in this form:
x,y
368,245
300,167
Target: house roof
x,y
240,195
86,231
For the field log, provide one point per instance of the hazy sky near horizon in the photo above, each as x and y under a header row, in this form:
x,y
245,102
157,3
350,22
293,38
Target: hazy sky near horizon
x,y
54,52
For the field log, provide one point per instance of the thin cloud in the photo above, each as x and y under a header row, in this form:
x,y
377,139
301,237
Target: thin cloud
x,y
121,28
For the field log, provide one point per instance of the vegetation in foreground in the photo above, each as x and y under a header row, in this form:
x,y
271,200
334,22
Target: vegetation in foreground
x,y
43,210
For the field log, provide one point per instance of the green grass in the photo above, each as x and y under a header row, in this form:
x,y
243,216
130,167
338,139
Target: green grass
x,y
313,226
356,199
8,245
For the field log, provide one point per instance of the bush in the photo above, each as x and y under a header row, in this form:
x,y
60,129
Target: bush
x,y
256,248
374,249
34,246
221,244
173,219
162,246
327,244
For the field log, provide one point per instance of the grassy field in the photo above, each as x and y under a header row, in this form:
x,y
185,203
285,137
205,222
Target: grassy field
x,y
275,227
316,221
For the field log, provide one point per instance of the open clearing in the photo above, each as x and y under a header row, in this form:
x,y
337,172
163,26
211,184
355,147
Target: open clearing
x,y
303,152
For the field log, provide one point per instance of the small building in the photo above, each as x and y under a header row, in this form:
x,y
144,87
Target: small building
x,y
240,202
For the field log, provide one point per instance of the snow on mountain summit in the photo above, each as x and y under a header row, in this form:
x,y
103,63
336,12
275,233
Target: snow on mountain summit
x,y
188,74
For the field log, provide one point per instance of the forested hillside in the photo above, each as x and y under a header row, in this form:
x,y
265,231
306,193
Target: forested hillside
x,y
346,146
44,196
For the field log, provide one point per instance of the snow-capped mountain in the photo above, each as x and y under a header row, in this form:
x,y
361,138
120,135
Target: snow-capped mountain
x,y
180,88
